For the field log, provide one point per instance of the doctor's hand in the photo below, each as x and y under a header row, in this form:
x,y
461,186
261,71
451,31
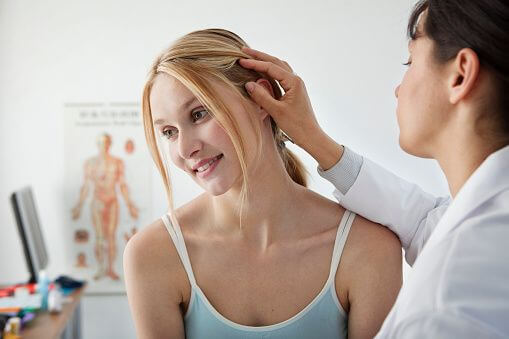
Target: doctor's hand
x,y
293,113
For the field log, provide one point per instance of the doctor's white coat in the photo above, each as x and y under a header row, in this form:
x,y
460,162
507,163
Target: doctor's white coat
x,y
459,250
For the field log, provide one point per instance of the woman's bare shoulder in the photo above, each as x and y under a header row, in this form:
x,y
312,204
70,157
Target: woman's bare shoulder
x,y
371,242
153,247
151,255
372,254
319,211
151,241
155,281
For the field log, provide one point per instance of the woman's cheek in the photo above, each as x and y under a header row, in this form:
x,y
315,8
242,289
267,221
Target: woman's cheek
x,y
176,159
218,134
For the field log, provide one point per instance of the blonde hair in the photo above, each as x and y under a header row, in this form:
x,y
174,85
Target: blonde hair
x,y
197,59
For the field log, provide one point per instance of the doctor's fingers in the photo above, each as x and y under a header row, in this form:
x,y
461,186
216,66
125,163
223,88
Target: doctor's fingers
x,y
262,97
286,79
258,55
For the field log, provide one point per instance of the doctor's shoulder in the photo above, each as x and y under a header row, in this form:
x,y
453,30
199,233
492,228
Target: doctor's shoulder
x,y
471,271
476,250
156,283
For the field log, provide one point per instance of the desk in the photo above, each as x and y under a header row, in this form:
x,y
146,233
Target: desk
x,y
64,325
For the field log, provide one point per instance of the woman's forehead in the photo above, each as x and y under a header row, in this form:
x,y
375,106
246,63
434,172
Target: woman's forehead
x,y
165,86
169,98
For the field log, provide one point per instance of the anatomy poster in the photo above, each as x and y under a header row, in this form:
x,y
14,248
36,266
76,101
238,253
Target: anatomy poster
x,y
107,189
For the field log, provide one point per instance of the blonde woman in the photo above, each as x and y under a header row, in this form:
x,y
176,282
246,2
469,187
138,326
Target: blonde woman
x,y
257,255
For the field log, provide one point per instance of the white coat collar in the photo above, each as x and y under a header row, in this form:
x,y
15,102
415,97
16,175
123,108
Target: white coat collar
x,y
491,178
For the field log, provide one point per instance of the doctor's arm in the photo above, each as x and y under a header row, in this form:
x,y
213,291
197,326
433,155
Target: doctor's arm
x,y
442,324
361,185
379,195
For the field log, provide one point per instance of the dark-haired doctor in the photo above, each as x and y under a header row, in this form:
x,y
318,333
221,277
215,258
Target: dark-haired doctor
x,y
453,106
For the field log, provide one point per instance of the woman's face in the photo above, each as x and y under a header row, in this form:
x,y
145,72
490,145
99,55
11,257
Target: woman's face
x,y
197,144
422,99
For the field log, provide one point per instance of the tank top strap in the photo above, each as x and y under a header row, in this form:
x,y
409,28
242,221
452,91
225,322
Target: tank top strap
x,y
339,244
178,239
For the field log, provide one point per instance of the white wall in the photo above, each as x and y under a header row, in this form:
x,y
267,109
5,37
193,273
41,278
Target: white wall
x,y
55,51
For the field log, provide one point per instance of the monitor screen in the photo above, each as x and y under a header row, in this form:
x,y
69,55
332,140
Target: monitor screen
x,y
29,228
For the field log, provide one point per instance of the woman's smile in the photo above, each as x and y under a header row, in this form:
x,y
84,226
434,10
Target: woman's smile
x,y
206,169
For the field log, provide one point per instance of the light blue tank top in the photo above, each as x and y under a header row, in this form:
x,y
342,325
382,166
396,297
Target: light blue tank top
x,y
322,318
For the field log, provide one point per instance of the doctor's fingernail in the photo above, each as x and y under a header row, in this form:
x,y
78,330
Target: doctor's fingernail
x,y
250,86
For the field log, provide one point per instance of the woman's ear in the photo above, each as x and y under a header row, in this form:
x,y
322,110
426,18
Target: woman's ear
x,y
268,87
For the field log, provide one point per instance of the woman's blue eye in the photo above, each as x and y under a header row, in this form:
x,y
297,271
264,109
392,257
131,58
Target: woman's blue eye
x,y
169,133
198,115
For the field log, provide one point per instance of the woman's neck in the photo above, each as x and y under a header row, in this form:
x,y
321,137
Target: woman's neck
x,y
271,206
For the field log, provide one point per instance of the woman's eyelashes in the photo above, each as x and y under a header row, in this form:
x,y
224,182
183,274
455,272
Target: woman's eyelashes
x,y
199,114
408,63
169,133
196,116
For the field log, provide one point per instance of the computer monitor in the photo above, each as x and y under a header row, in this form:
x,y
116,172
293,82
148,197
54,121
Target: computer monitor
x,y
29,228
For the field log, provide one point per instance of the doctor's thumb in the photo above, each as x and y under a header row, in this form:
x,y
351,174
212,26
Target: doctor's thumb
x,y
262,97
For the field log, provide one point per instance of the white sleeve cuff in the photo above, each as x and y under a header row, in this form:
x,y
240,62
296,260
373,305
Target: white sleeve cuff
x,y
344,173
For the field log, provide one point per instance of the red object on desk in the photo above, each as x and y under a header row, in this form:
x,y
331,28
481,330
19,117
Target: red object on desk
x,y
9,291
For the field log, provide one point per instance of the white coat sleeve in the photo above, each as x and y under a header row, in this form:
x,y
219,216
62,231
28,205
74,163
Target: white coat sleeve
x,y
382,197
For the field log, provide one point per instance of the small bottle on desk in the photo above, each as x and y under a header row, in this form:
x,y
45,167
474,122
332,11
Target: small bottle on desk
x,y
54,299
43,289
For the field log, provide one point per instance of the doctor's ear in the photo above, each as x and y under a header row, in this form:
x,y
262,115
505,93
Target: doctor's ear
x,y
265,84
464,75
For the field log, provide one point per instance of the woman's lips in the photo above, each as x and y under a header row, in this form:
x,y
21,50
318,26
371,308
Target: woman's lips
x,y
210,168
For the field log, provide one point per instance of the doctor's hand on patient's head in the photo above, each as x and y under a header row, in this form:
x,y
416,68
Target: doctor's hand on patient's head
x,y
293,112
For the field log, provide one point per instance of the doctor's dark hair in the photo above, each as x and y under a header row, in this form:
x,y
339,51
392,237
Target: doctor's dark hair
x,y
481,25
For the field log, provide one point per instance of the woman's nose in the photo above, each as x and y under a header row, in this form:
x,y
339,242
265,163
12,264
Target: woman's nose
x,y
188,146
396,91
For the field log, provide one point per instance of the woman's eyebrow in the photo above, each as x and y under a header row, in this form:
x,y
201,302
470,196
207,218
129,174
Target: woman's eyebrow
x,y
183,107
159,122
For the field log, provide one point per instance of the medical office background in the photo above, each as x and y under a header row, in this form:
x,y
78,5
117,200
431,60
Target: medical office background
x,y
349,53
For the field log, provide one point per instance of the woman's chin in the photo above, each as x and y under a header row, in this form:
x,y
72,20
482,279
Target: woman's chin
x,y
214,189
220,185
216,192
